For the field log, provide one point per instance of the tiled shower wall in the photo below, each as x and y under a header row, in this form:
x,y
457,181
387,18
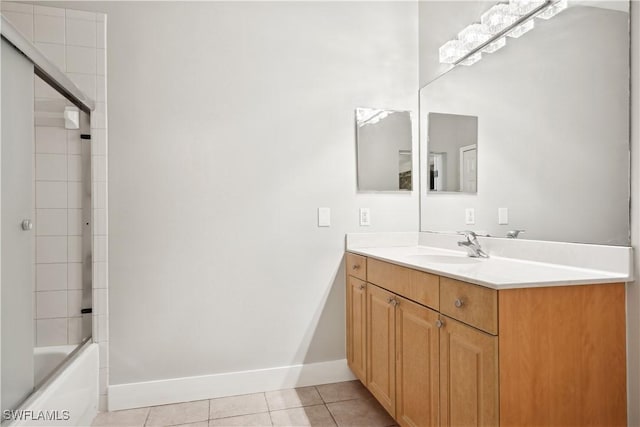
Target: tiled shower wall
x,y
76,42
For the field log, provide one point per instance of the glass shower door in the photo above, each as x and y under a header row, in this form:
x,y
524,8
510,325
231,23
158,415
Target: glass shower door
x,y
17,236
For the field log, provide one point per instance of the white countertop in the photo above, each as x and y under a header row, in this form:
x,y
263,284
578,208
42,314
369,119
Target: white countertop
x,y
495,272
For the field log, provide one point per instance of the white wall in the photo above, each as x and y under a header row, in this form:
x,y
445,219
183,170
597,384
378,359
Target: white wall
x,y
230,123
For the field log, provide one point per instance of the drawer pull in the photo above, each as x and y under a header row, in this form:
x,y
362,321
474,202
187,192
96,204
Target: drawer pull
x,y
394,302
362,286
439,323
355,267
459,302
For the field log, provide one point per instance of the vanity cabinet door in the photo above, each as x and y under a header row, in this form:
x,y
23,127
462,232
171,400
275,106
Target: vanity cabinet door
x,y
468,375
381,366
417,360
357,327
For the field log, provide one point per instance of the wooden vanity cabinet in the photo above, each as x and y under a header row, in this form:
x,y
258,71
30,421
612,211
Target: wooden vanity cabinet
x,y
441,352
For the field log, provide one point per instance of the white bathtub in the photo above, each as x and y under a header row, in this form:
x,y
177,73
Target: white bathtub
x,y
74,388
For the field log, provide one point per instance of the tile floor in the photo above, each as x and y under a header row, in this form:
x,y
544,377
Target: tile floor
x,y
339,404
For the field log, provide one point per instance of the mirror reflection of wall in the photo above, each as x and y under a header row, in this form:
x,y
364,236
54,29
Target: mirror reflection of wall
x,y
453,152
384,150
553,111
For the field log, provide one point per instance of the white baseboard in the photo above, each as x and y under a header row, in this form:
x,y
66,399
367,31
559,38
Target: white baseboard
x,y
161,392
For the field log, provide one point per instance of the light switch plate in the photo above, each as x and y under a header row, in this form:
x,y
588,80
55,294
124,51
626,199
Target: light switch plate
x,y
324,217
469,216
365,217
503,216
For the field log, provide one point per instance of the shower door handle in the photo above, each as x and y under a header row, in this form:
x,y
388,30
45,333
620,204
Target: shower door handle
x,y
27,225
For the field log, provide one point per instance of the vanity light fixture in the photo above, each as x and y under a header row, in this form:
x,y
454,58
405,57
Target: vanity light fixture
x,y
503,20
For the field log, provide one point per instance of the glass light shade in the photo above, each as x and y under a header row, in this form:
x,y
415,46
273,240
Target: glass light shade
x,y
521,29
452,51
472,59
496,45
498,18
523,7
553,10
473,36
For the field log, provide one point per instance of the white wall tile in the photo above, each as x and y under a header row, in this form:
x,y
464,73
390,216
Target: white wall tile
x,y
74,222
51,277
49,11
43,90
74,249
50,140
23,22
51,304
80,14
74,271
103,328
51,332
51,222
74,303
99,142
99,195
81,32
101,89
101,35
101,62
100,248
54,52
50,249
86,82
100,302
74,142
100,222
51,167
98,116
100,275
74,168
103,381
98,171
52,195
74,325
103,348
49,29
75,195
11,6
81,60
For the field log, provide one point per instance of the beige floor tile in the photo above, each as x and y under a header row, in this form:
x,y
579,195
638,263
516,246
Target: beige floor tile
x,y
238,405
179,413
293,398
316,416
360,412
129,418
253,420
343,391
198,424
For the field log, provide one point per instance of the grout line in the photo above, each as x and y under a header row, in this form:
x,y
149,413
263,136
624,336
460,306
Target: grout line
x,y
331,414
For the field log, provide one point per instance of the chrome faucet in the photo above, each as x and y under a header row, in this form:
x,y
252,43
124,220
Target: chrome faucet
x,y
472,245
513,234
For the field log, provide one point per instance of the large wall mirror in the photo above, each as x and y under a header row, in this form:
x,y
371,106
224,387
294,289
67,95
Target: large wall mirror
x,y
548,115
384,150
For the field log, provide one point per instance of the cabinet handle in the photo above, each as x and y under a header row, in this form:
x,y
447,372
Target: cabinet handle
x,y
355,267
394,302
439,323
459,302
362,286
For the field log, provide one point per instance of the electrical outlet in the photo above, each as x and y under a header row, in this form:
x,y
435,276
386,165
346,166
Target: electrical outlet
x,y
503,216
469,216
365,217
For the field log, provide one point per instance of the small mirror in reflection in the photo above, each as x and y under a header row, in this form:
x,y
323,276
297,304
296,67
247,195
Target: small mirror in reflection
x,y
384,150
453,153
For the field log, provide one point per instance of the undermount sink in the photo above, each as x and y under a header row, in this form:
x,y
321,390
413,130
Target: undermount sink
x,y
444,259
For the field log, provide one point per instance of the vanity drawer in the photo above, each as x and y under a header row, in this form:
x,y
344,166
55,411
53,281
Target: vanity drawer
x,y
415,285
471,304
357,266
